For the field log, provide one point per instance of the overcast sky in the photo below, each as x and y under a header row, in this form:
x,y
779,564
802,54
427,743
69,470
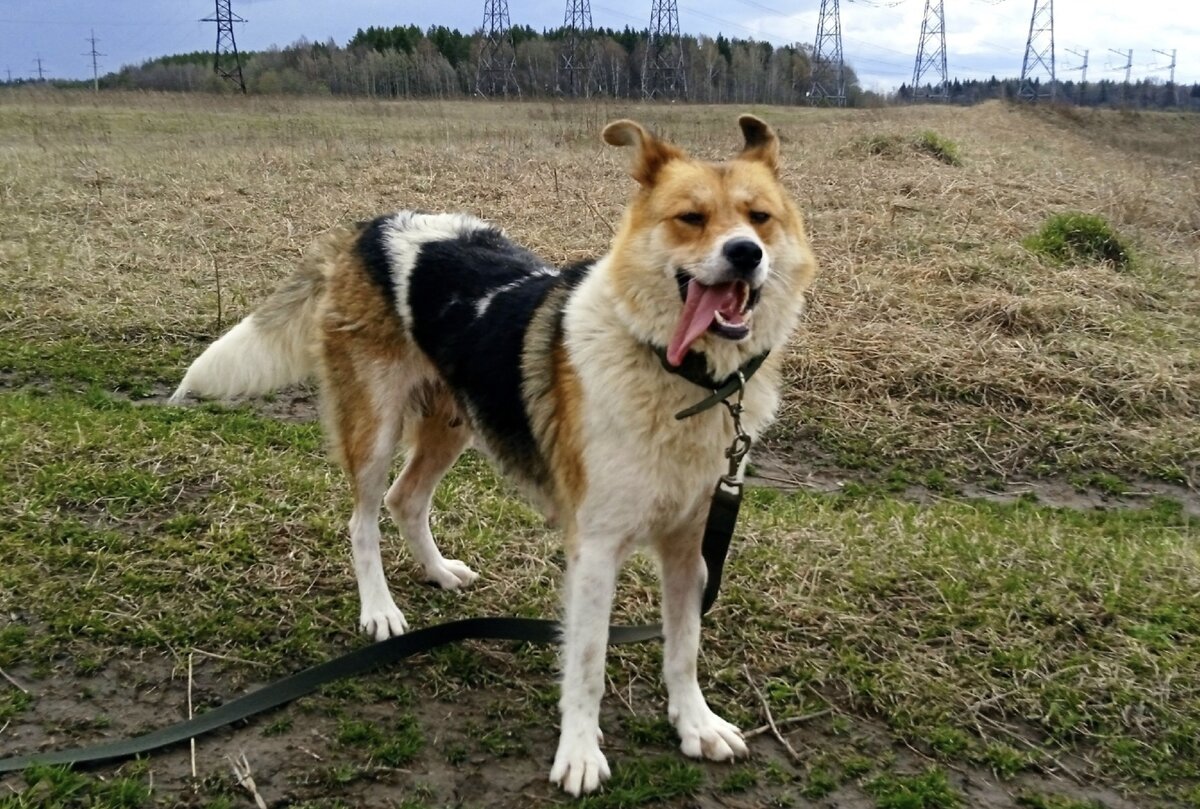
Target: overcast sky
x,y
984,37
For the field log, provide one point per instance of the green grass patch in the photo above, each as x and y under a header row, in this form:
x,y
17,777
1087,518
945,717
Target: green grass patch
x,y
1081,238
938,147
928,790
991,635
61,788
643,781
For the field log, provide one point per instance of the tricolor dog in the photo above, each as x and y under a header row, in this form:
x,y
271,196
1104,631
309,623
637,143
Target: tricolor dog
x,y
435,331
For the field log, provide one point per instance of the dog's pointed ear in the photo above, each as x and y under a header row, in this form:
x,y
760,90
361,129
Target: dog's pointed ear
x,y
652,153
761,142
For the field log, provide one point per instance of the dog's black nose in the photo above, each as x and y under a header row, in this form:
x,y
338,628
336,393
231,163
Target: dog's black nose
x,y
743,254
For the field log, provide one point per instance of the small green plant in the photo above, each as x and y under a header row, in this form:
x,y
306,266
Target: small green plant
x,y
1033,800
739,780
929,790
1080,237
938,147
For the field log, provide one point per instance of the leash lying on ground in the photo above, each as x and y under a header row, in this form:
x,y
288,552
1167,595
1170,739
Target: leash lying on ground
x,y
718,533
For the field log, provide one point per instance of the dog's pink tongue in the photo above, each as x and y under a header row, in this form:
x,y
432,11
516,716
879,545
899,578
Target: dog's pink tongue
x,y
699,309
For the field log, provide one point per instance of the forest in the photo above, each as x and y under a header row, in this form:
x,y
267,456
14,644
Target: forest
x,y
406,61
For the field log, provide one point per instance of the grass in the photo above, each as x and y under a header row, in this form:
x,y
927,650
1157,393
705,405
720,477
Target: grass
x,y
1006,640
1080,238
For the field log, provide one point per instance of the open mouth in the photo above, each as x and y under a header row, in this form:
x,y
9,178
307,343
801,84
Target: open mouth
x,y
722,309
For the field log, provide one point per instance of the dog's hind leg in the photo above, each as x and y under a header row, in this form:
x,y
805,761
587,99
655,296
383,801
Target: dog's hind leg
x,y
435,436
362,398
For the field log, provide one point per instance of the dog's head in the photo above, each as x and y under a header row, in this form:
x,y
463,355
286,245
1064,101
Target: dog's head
x,y
710,256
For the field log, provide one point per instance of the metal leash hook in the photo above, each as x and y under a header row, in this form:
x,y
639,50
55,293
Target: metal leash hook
x,y
742,442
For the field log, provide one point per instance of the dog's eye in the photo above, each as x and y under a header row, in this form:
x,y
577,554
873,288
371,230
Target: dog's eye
x,y
759,217
691,218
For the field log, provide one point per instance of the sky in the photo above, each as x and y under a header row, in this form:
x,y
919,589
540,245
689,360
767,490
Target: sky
x,y
983,37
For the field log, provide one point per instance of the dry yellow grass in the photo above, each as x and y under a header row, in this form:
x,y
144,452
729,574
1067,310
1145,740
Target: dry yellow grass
x,y
934,340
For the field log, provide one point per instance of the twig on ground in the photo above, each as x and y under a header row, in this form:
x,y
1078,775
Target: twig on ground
x,y
771,719
791,720
229,658
241,771
595,212
15,684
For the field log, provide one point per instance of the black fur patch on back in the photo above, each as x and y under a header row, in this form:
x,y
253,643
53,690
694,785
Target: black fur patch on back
x,y
472,300
373,252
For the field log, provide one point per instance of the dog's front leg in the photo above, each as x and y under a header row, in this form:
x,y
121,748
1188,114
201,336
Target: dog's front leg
x,y
592,566
702,733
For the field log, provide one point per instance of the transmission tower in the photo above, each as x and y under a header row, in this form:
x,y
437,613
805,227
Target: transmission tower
x,y
1039,53
41,72
1128,66
231,66
1083,67
1171,66
95,67
828,69
931,51
576,55
1082,72
496,71
662,72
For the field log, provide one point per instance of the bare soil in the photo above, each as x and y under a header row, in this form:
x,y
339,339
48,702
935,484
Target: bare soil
x,y
295,757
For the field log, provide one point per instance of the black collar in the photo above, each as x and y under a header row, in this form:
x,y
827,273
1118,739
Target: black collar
x,y
694,369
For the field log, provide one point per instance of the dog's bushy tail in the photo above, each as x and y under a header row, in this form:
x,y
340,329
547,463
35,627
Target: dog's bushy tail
x,y
273,347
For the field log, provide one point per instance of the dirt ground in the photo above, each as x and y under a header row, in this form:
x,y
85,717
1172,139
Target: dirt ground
x,y
295,758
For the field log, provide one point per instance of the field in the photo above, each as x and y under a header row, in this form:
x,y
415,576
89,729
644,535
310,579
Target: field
x,y
969,575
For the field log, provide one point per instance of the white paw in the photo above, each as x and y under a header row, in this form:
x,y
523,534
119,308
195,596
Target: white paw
x,y
579,766
703,734
383,623
450,574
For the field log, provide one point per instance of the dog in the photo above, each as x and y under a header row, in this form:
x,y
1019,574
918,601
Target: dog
x,y
436,331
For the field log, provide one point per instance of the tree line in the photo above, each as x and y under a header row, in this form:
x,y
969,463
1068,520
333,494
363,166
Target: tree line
x,y
1142,94
440,62
406,61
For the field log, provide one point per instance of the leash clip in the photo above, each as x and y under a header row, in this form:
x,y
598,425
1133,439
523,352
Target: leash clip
x,y
740,447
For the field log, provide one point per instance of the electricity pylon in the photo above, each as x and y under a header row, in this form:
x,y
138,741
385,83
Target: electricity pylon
x,y
225,18
576,54
95,65
1083,72
828,69
931,51
495,74
662,72
1039,53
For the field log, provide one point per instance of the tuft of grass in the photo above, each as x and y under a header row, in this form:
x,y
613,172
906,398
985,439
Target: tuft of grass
x,y
1038,800
59,787
393,745
1080,238
938,147
928,790
893,146
646,781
